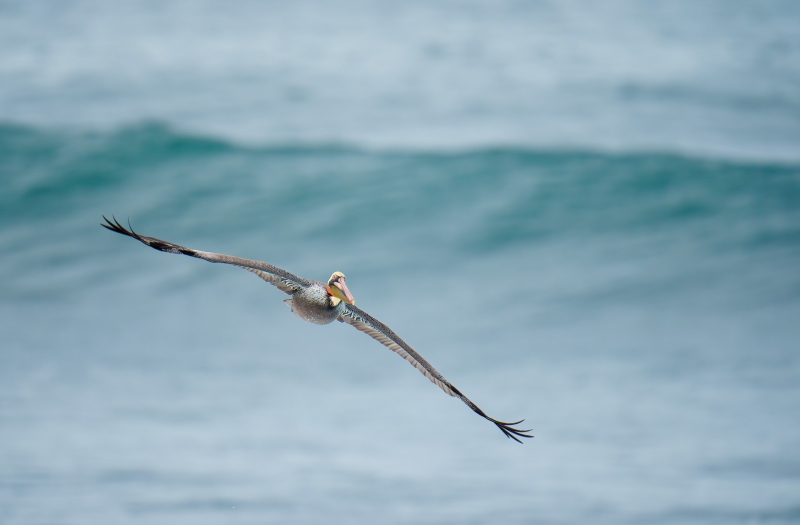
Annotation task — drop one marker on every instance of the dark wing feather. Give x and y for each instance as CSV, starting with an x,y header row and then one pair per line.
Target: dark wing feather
x,y
282,279
384,335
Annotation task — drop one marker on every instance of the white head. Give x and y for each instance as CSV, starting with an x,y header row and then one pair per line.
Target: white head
x,y
337,288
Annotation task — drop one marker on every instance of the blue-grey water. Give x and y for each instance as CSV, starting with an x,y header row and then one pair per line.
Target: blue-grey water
x,y
586,215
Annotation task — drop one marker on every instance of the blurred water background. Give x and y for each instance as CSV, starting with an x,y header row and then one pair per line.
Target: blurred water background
x,y
584,214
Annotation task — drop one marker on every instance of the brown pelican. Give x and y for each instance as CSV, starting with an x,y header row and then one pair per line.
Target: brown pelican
x,y
320,303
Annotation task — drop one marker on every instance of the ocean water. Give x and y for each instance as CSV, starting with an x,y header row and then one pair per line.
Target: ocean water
x,y
587,217
692,77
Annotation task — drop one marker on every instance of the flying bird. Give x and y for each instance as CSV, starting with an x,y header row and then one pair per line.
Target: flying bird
x,y
321,303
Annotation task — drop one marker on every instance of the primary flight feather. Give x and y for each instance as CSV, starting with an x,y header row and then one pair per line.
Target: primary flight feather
x,y
321,303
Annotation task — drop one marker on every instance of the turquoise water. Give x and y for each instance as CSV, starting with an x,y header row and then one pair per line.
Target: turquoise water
x,y
584,215
691,77
639,310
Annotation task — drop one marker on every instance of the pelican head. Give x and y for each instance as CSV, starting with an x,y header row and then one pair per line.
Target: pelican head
x,y
337,288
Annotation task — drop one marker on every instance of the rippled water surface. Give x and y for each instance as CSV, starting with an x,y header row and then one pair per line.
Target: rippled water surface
x,y
490,181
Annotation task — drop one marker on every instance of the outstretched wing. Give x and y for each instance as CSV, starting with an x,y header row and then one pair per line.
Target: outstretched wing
x,y
282,279
384,335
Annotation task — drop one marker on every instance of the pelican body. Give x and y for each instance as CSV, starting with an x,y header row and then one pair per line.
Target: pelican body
x,y
320,303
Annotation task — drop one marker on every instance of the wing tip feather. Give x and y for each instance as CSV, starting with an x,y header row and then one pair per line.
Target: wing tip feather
x,y
116,227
